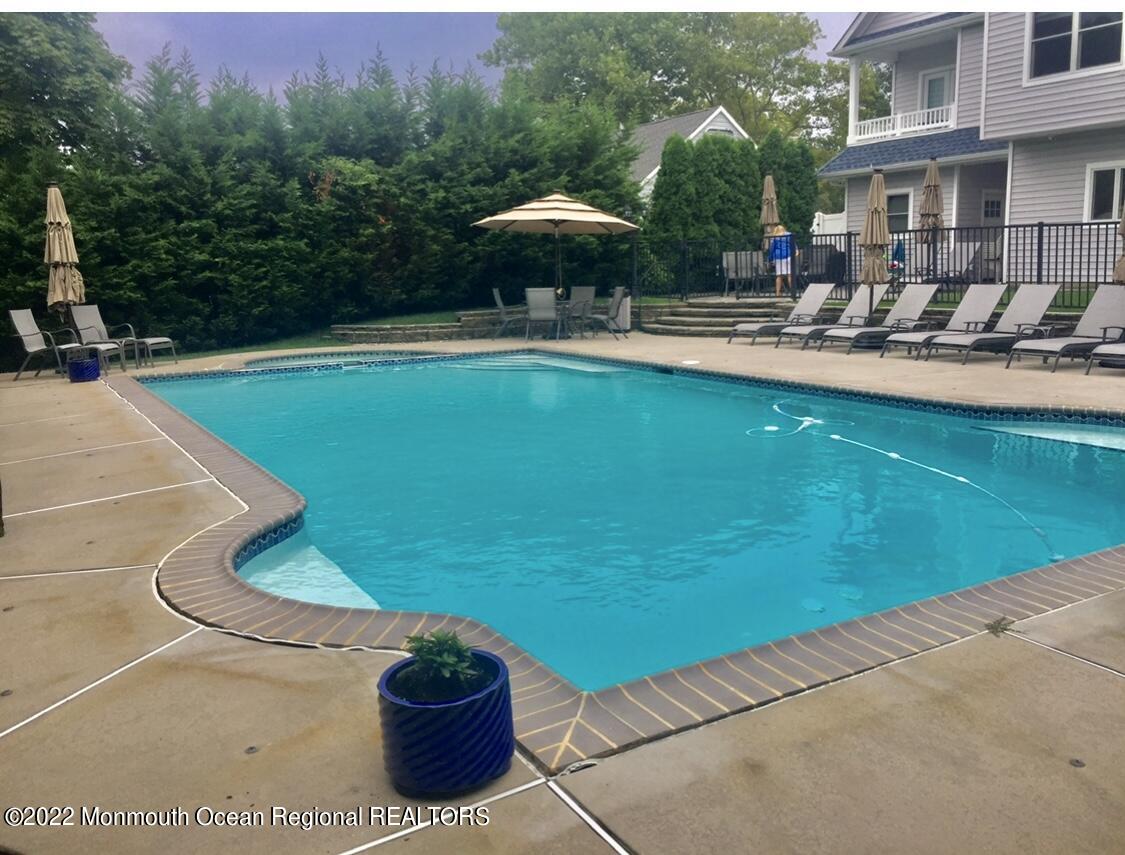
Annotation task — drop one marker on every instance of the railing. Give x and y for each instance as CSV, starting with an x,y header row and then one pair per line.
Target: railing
x,y
915,122
1079,256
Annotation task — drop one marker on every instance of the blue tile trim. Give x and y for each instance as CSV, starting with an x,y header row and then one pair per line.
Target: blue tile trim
x,y
349,356
271,538
990,412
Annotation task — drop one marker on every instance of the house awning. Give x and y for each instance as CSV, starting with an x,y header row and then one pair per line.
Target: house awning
x,y
962,144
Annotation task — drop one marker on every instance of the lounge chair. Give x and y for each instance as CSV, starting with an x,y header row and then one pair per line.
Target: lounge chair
x,y
855,314
37,342
1021,319
609,319
904,315
806,311
1103,322
580,308
506,317
92,330
1114,353
971,315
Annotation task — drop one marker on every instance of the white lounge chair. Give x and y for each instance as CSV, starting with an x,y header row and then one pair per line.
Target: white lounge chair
x,y
855,314
806,311
971,315
905,314
1102,323
1021,319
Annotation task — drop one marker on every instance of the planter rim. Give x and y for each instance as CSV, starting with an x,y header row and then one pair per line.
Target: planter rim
x,y
388,675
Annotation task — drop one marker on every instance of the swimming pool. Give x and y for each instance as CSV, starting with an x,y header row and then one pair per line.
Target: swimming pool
x,y
333,357
617,522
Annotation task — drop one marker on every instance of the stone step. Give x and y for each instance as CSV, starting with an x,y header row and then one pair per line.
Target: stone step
x,y
718,323
732,312
695,332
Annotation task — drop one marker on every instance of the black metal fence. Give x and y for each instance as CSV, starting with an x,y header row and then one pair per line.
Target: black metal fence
x,y
1079,256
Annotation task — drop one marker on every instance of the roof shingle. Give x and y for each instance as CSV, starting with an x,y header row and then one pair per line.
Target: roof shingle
x,y
916,149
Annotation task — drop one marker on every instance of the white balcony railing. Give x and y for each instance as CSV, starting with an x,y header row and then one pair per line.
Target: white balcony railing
x,y
903,124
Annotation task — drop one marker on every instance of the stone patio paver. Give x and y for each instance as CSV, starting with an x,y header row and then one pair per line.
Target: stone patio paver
x,y
1094,630
174,731
965,749
63,632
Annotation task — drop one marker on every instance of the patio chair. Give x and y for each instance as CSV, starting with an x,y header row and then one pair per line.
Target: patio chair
x,y
506,317
1103,322
609,319
971,315
542,307
1021,319
806,311
580,308
904,315
1112,353
37,342
854,314
92,330
738,269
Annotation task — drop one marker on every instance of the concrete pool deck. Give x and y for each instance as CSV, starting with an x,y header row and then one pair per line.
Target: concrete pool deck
x,y
114,700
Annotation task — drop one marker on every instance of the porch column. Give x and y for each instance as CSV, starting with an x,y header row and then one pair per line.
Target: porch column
x,y
853,96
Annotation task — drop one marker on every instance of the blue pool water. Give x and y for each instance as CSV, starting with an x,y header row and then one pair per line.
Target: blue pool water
x,y
616,523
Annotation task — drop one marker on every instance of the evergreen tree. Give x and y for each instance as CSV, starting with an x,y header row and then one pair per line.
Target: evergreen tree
x,y
673,206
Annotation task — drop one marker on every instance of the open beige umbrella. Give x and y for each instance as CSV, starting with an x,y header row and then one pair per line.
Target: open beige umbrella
x,y
64,283
874,237
558,215
1119,268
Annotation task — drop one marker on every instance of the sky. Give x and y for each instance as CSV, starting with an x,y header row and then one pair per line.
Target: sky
x,y
270,47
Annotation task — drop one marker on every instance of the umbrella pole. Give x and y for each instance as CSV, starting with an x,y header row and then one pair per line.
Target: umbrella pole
x,y
558,260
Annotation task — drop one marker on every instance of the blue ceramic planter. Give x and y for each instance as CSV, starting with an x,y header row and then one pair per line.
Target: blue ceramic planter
x,y
448,747
82,370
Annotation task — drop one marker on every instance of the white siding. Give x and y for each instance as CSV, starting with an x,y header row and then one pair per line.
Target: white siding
x,y
898,182
1049,174
721,123
1014,110
911,64
976,178
969,76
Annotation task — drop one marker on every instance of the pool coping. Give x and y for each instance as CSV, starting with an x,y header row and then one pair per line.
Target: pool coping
x,y
558,724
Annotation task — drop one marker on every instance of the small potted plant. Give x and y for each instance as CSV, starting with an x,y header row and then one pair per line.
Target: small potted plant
x,y
446,714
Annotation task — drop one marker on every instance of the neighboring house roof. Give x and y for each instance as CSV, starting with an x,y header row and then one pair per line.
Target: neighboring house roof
x,y
652,136
907,152
849,41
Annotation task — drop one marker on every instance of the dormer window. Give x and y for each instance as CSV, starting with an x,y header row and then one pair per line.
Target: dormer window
x,y
1073,41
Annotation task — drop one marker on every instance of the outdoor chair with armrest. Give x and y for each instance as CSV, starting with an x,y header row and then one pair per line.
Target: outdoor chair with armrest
x,y
1102,323
904,316
37,342
506,317
92,330
1021,319
580,308
1111,353
609,319
971,315
805,312
542,308
855,314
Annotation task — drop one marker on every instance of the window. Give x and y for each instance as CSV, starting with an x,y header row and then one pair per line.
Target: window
x,y
1105,191
1072,41
898,212
727,132
937,88
993,209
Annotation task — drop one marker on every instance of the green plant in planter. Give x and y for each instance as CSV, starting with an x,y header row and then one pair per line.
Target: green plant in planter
x,y
444,669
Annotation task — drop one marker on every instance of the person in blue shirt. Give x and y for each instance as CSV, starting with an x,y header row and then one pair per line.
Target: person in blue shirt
x,y
781,254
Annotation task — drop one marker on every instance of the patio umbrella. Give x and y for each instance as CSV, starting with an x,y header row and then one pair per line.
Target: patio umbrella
x,y
931,214
558,215
769,217
64,283
1119,268
874,237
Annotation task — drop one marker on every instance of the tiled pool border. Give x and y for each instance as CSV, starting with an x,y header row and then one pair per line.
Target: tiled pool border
x,y
556,723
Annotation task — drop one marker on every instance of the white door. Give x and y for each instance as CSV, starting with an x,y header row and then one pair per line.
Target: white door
x,y
992,235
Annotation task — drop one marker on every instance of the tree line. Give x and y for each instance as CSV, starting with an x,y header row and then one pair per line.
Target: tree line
x,y
224,216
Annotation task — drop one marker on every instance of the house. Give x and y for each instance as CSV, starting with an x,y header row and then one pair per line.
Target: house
x,y
651,137
1024,111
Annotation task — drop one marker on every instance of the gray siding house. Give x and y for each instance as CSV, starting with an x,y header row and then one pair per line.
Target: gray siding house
x,y
650,138
1024,111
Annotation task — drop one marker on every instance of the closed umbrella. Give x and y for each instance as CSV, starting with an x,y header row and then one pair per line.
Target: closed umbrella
x,y
770,216
874,237
558,215
931,214
64,283
1119,268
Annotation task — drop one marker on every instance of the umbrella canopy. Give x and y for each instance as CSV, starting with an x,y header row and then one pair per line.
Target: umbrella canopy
x,y
874,236
769,217
1119,268
64,283
558,215
932,212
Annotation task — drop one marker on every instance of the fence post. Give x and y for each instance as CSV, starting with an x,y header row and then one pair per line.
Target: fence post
x,y
683,271
1039,227
635,291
